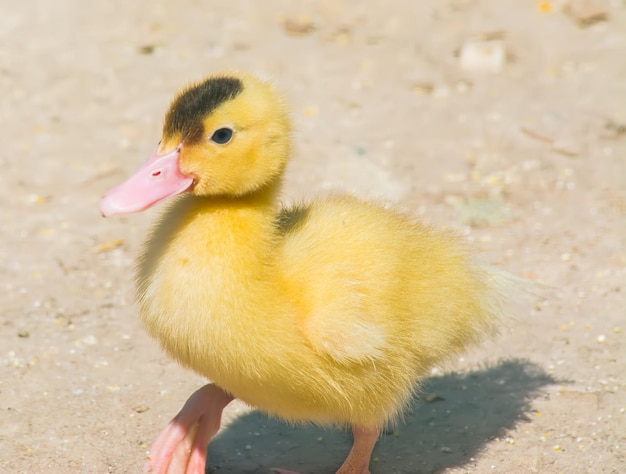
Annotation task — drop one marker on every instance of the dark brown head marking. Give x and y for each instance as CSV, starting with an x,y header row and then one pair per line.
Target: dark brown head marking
x,y
193,104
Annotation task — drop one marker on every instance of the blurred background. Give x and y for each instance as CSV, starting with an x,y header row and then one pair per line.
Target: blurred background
x,y
503,120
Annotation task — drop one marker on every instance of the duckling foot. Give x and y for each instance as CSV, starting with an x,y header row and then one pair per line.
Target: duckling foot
x,y
181,446
358,460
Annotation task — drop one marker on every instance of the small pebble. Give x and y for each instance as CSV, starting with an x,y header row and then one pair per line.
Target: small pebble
x,y
432,397
108,246
483,56
298,26
146,49
587,12
601,338
423,88
36,199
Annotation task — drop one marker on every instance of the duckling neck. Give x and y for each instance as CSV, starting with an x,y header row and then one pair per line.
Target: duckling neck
x,y
226,233
240,230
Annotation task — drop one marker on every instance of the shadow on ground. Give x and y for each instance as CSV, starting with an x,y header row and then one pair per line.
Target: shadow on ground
x,y
465,411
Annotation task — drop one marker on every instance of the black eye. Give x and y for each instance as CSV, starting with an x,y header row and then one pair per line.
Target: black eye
x,y
222,136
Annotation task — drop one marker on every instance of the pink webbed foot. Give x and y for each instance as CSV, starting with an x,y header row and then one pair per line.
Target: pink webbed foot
x,y
181,446
358,459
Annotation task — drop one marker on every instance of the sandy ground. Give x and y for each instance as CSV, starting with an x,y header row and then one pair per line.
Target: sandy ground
x,y
504,120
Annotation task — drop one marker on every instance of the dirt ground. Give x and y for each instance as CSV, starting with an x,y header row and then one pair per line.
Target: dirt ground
x,y
504,120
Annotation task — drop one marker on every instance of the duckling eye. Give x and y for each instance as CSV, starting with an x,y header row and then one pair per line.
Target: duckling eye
x,y
222,136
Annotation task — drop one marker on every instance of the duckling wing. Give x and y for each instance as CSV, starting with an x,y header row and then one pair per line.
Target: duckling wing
x,y
338,274
339,321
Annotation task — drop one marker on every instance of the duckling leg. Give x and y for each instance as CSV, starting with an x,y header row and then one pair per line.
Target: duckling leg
x,y
358,459
181,446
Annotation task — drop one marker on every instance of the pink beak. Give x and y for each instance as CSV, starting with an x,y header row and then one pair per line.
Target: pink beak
x,y
157,179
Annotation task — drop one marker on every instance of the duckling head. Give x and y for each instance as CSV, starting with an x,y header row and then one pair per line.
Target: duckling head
x,y
225,136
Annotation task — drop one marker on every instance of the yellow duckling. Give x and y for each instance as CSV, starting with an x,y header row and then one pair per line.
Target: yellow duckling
x,y
329,312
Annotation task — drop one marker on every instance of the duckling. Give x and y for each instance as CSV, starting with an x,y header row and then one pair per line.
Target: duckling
x,y
329,312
